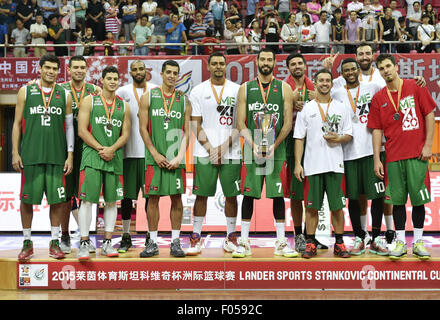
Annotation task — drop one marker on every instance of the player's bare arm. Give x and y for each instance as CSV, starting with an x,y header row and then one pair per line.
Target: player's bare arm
x,y
17,162
83,124
241,119
298,153
430,130
377,143
68,165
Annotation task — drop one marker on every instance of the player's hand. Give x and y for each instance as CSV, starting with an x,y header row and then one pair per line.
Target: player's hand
x,y
31,82
426,153
106,153
17,163
215,155
420,81
68,165
98,90
174,163
299,105
161,161
329,61
378,169
332,137
299,172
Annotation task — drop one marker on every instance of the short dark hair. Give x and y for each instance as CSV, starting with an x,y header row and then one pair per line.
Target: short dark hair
x,y
110,69
322,71
337,10
364,44
265,50
171,63
144,16
216,54
294,55
49,58
53,15
384,56
348,60
77,58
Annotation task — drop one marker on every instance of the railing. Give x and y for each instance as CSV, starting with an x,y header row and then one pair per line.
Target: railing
x,y
221,44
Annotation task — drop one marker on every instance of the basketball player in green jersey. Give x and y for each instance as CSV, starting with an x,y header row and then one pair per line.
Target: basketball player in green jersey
x,y
43,129
164,126
78,89
104,126
264,96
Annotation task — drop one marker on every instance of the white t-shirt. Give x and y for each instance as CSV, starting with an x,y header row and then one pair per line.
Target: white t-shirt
x,y
427,32
135,147
149,7
362,144
339,82
38,28
218,126
321,156
323,31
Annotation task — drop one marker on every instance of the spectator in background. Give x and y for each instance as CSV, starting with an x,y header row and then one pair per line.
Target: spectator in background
x,y
88,40
175,34
307,34
149,8
159,22
234,14
197,32
302,12
409,6
370,28
323,30
406,36
38,33
353,30
208,18
228,35
57,33
251,11
437,33
426,34
267,11
129,12
218,9
12,16
108,43
326,6
314,8
48,7
338,31
283,7
289,34
20,35
188,11
112,23
355,6
430,12
272,32
123,50
141,36
254,36
388,27
208,49
415,19
35,9
80,13
25,13
378,8
95,14
68,21
396,13
337,4
241,37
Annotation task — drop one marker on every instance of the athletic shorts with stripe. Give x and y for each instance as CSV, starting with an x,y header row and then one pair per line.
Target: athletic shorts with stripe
x,y
134,177
253,176
93,181
40,179
361,179
296,186
164,182
331,183
206,174
409,176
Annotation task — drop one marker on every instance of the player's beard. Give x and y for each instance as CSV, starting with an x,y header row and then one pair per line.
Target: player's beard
x,y
265,73
365,67
139,80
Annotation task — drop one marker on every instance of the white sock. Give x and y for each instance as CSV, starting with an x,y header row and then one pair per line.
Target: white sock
x,y
85,218
364,223
231,223
153,236
126,226
198,224
27,234
54,232
400,235
280,230
418,234
389,222
175,234
245,227
110,215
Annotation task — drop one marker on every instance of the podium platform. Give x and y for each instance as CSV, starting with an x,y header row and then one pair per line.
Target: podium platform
x,y
215,269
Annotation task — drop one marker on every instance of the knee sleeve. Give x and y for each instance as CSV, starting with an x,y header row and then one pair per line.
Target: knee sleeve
x,y
399,217
279,208
418,217
126,208
247,208
110,214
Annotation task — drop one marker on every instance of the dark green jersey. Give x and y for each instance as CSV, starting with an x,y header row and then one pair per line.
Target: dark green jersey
x,y
290,142
105,134
255,109
43,135
166,131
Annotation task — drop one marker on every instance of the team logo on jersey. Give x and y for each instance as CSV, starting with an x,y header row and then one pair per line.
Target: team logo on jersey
x,y
384,105
410,120
57,94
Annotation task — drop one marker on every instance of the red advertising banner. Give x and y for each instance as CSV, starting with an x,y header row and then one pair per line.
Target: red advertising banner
x,y
15,72
229,274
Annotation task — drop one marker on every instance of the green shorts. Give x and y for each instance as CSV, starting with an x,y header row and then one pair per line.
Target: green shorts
x,y
93,181
361,179
330,182
296,186
43,178
206,174
275,174
410,176
134,177
164,182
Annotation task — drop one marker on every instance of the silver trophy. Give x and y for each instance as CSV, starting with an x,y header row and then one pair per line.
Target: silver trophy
x,y
265,122
329,126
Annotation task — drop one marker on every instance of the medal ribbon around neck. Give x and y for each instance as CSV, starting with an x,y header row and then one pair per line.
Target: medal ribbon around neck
x,y
219,100
74,93
136,94
399,94
165,104
321,111
371,75
263,95
46,105
107,106
353,103
302,93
